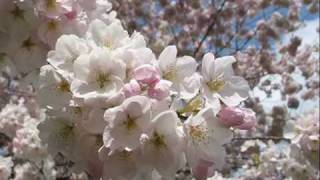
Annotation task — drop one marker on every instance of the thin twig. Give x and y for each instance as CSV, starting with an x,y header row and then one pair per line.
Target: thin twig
x,y
183,4
174,36
210,27
19,93
265,138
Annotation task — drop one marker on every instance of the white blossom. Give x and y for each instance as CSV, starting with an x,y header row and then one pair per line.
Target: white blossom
x,y
177,70
205,138
56,85
12,118
111,107
163,147
98,74
219,81
126,123
67,49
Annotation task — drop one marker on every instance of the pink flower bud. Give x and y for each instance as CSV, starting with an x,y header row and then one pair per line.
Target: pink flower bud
x,y
200,170
146,74
249,119
240,118
131,89
160,90
231,116
71,15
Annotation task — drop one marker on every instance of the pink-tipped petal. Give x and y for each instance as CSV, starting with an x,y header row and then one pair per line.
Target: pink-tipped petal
x,y
249,119
200,171
131,89
231,116
160,90
71,14
146,74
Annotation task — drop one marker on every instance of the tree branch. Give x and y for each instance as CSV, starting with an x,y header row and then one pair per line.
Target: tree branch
x,y
265,138
210,27
174,36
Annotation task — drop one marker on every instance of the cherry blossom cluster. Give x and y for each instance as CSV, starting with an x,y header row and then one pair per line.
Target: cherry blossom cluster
x,y
23,155
223,27
293,156
250,29
115,108
29,29
118,111
305,138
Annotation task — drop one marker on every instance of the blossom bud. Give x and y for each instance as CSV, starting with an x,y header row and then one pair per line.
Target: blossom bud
x,y
231,116
71,15
249,119
240,118
131,89
200,171
146,74
160,90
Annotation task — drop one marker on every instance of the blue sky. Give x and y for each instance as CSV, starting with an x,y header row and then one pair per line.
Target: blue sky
x,y
309,35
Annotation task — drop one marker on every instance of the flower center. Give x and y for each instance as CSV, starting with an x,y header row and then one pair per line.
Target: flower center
x,y
197,132
66,131
158,141
99,140
194,105
64,86
28,44
170,74
108,44
17,12
216,84
130,124
101,79
51,4
77,110
52,25
125,155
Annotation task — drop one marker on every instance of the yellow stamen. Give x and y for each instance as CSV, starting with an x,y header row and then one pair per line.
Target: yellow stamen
x,y
108,44
101,79
194,105
17,12
52,25
170,74
51,4
28,44
216,84
64,86
130,124
99,140
125,155
66,131
158,141
197,132
77,110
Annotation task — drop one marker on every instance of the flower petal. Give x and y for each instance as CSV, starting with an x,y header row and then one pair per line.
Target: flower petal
x,y
167,58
